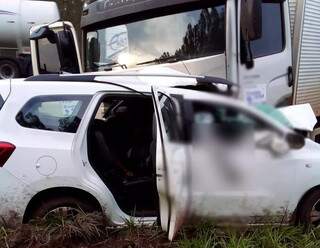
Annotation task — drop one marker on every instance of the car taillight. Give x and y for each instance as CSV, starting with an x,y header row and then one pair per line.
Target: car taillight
x,y
6,149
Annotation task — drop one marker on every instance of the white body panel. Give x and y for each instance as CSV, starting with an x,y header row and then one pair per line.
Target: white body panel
x,y
290,176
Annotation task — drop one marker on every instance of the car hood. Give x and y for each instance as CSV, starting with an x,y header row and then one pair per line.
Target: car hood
x,y
300,117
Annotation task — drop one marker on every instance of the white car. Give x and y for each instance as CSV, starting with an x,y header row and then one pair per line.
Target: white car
x,y
120,145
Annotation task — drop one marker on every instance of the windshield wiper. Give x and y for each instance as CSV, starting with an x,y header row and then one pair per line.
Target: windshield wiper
x,y
110,65
169,59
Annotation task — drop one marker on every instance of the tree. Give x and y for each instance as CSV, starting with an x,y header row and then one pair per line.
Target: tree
x,y
71,10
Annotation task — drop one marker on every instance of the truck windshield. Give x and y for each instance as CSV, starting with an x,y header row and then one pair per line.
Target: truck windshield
x,y
166,39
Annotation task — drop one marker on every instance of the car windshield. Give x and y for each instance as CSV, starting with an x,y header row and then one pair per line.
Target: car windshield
x,y
166,39
274,113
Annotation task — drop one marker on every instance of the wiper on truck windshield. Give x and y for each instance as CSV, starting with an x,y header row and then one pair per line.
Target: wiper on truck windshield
x,y
110,65
161,60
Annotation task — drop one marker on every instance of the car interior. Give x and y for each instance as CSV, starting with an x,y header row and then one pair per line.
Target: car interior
x,y
121,149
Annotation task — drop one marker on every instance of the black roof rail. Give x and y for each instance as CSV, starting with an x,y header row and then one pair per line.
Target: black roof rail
x,y
60,77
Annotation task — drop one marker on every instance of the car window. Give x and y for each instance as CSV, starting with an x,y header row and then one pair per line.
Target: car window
x,y
224,122
272,40
170,117
54,113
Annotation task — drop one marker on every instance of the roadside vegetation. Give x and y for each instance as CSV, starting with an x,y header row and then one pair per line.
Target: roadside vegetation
x,y
90,231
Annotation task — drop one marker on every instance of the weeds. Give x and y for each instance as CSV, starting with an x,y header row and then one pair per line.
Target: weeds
x,y
55,231
90,230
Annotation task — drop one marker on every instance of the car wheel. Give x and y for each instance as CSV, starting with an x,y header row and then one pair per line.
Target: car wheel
x,y
9,69
309,213
62,206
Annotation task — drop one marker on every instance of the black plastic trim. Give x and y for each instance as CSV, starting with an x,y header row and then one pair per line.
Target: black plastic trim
x,y
59,77
1,102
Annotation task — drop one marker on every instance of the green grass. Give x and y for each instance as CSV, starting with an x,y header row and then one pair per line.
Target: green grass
x,y
90,230
265,237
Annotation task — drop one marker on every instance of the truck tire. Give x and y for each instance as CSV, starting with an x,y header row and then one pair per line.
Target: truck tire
x,y
9,69
63,203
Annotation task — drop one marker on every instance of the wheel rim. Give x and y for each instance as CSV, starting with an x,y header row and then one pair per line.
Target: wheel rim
x,y
64,212
315,213
6,71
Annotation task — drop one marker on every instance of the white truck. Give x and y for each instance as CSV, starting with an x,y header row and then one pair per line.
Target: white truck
x,y
270,48
16,19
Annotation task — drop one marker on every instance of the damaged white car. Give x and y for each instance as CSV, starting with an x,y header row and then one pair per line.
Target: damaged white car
x,y
119,145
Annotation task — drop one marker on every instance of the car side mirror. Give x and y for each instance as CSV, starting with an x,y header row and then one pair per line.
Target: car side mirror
x,y
280,145
295,141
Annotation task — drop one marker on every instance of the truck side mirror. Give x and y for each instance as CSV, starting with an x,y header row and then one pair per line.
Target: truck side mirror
x,y
54,49
251,26
43,32
251,19
67,51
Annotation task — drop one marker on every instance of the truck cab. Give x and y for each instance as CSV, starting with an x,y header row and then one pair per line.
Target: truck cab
x,y
247,42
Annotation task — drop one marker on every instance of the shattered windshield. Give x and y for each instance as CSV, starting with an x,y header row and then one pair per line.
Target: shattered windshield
x,y
165,39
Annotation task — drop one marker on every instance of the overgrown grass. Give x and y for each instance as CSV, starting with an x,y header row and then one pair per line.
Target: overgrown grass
x,y
265,236
90,230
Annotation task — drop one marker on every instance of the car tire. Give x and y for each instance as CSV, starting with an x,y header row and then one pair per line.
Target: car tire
x,y
309,211
47,206
9,69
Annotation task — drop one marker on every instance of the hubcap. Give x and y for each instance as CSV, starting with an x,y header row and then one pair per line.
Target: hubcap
x,y
6,71
64,212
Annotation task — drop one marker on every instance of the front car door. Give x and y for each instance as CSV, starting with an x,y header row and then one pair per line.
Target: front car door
x,y
232,163
54,49
241,166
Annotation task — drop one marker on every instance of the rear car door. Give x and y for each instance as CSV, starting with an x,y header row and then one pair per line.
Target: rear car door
x,y
171,162
54,49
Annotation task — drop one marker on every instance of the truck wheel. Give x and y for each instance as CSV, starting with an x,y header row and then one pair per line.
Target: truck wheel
x,y
309,213
62,206
9,69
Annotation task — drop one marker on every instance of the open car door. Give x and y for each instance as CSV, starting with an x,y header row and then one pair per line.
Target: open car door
x,y
213,155
171,162
54,49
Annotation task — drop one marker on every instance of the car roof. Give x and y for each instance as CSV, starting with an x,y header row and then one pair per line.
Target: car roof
x,y
137,80
71,84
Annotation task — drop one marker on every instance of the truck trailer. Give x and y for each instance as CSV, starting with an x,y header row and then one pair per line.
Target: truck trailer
x,y
270,48
16,19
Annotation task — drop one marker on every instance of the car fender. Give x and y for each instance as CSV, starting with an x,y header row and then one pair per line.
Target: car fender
x,y
98,190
